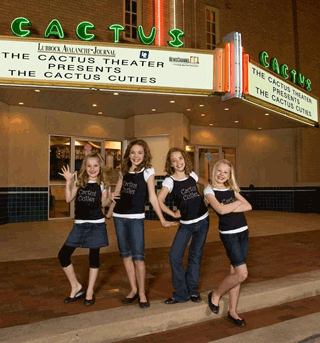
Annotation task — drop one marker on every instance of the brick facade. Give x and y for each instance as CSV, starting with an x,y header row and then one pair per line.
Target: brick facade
x,y
288,30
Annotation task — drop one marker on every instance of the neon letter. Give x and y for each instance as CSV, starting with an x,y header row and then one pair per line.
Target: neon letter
x,y
275,65
144,39
293,76
54,28
283,71
17,27
82,28
116,28
301,80
263,59
308,85
176,34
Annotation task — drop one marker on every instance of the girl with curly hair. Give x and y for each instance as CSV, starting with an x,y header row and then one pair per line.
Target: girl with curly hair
x,y
89,189
135,181
194,224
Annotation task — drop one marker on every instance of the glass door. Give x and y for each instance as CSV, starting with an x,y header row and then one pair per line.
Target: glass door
x,y
60,155
205,158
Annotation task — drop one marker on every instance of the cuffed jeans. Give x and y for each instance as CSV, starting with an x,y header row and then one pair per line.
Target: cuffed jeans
x,y
185,283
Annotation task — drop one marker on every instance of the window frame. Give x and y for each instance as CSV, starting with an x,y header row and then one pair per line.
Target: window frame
x,y
139,20
217,27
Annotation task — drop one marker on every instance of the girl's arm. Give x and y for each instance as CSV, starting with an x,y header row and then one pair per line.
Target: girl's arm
x,y
71,180
155,203
245,205
220,208
164,191
115,195
106,197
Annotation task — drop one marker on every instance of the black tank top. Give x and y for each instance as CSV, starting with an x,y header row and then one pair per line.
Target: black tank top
x,y
133,194
187,199
229,221
88,202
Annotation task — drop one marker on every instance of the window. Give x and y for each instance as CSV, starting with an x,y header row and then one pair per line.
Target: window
x,y
212,27
132,18
71,151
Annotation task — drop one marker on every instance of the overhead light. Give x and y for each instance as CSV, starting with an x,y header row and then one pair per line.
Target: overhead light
x,y
153,109
266,114
236,121
99,112
94,105
188,109
115,93
202,114
20,103
201,105
226,109
172,101
152,92
211,124
37,90
259,128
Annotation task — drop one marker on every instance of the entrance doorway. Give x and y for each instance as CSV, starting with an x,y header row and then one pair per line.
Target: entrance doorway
x,y
205,157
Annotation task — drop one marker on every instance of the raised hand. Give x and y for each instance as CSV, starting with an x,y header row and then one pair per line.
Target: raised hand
x,y
67,174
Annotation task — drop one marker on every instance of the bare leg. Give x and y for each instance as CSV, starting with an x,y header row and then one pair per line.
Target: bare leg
x,y
230,282
130,269
233,298
75,285
93,274
141,276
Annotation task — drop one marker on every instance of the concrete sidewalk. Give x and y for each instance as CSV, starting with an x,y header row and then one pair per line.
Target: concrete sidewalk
x,y
282,267
124,322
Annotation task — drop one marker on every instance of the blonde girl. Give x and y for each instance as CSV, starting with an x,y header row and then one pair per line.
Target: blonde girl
x,y
89,230
224,196
135,182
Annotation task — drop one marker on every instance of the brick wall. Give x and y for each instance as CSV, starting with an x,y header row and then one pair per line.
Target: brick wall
x,y
265,25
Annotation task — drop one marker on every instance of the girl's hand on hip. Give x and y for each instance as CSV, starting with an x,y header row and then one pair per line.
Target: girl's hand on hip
x,y
165,223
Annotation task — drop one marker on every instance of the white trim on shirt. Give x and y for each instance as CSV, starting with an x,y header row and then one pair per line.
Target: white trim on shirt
x,y
130,216
196,220
168,181
82,221
240,229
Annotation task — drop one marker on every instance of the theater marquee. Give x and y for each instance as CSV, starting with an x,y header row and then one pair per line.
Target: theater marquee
x,y
105,66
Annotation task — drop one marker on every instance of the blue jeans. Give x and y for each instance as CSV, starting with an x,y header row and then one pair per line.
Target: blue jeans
x,y
130,234
185,283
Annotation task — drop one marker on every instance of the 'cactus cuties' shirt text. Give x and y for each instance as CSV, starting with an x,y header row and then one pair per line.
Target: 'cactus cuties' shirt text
x,y
187,198
133,195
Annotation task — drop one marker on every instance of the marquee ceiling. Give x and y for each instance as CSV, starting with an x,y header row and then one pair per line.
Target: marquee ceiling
x,y
124,105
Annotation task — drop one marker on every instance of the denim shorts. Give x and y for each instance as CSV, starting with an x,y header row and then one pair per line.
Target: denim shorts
x,y
236,245
88,235
130,234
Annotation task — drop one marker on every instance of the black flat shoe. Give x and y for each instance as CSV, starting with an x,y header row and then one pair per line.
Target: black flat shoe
x,y
171,301
144,304
238,322
130,300
90,302
195,298
78,295
213,308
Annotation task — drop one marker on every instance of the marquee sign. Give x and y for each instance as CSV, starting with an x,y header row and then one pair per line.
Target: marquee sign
x,y
105,66
273,90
